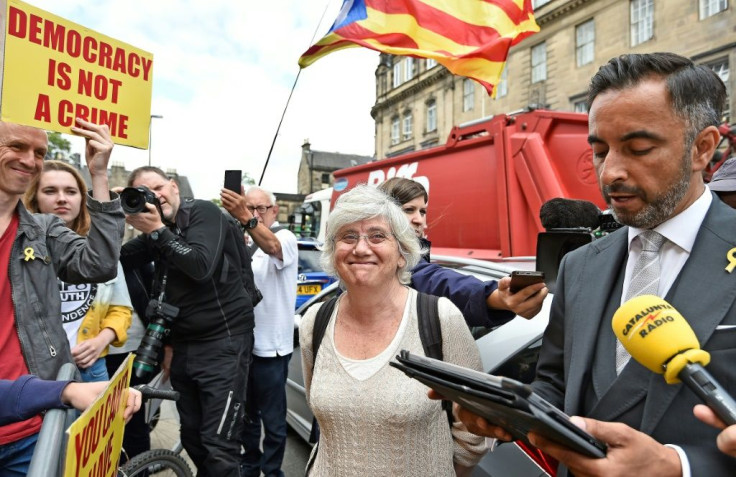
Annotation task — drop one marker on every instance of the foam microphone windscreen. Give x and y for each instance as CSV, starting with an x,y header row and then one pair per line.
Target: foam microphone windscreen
x,y
657,336
561,213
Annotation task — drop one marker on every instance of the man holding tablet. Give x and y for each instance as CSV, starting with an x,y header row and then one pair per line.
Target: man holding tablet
x,y
652,127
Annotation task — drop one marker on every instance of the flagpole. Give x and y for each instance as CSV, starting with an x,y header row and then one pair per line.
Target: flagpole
x,y
293,86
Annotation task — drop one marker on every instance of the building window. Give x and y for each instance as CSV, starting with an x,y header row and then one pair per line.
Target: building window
x,y
468,94
397,73
708,8
325,178
642,21
408,68
585,42
407,126
539,63
431,63
721,69
539,3
502,88
395,138
432,116
580,106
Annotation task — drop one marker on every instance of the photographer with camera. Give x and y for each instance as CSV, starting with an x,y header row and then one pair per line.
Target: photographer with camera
x,y
199,305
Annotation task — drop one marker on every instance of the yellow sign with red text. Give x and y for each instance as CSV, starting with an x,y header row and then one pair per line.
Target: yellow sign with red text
x,y
96,437
56,70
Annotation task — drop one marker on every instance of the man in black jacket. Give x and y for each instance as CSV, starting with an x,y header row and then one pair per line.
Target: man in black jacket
x,y
198,270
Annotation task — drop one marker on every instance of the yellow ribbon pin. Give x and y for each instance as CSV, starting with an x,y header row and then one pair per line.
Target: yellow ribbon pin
x,y
731,256
28,252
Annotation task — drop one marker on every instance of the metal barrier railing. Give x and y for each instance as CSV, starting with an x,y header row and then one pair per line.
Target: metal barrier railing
x,y
48,456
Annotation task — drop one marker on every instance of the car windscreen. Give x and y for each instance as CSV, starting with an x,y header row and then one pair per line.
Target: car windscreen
x,y
309,261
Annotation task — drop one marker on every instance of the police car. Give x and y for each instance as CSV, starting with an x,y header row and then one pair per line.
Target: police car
x,y
311,279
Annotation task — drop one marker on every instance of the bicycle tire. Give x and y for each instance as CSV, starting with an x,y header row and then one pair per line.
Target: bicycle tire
x,y
156,461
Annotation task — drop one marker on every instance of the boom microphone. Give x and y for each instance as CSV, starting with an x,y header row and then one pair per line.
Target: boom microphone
x,y
560,213
657,336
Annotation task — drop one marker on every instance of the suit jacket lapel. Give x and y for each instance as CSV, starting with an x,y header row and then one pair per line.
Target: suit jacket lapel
x,y
702,276
616,394
602,266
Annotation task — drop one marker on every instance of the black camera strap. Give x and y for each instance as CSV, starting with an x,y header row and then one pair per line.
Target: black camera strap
x,y
162,293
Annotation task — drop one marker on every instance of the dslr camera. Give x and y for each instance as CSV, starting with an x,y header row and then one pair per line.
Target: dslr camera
x,y
160,317
134,199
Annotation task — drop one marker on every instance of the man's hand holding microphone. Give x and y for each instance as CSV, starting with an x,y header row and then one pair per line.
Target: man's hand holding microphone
x,y
658,337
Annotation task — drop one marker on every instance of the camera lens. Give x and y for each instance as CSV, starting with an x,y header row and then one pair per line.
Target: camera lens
x,y
133,200
148,353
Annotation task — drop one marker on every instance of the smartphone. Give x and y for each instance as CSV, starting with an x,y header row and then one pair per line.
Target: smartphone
x,y
523,278
233,179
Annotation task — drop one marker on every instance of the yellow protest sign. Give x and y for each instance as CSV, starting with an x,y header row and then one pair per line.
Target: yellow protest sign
x,y
95,439
55,70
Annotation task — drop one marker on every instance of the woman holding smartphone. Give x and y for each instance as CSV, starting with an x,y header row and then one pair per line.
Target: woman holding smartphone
x,y
485,304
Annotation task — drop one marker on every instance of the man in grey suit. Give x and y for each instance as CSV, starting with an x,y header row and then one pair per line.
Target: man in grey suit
x,y
652,127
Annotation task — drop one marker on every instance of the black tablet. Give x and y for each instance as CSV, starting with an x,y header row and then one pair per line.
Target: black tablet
x,y
502,401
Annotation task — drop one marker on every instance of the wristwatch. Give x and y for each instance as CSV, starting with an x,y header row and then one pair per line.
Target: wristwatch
x,y
157,233
251,224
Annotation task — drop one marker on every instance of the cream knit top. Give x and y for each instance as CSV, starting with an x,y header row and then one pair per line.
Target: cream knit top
x,y
386,425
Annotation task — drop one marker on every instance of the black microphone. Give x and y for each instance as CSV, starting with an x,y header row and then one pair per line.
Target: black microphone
x,y
561,213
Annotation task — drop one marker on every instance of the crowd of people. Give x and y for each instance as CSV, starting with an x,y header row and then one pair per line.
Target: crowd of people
x,y
224,283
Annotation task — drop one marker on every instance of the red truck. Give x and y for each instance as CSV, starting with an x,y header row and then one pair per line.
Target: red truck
x,y
488,182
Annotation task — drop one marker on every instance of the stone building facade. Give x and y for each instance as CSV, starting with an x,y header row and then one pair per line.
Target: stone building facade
x,y
316,167
418,101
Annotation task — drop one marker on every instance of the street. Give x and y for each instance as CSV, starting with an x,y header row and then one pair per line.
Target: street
x,y
166,436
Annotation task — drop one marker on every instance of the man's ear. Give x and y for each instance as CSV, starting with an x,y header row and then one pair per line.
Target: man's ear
x,y
174,185
704,146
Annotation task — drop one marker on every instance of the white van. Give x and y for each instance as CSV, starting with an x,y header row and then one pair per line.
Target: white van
x,y
310,220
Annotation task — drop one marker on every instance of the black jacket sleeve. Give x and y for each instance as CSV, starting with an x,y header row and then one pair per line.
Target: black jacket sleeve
x,y
196,251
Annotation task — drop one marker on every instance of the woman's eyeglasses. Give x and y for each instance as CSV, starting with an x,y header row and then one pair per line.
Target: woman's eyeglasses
x,y
375,238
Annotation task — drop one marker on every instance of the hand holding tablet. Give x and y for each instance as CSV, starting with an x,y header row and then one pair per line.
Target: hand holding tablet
x,y
501,401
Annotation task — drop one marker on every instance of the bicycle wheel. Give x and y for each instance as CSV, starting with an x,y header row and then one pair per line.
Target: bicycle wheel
x,y
158,462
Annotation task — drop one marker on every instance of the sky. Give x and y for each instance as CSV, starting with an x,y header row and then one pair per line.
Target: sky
x,y
222,74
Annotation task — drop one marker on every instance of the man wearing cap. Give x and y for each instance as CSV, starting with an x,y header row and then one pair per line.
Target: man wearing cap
x,y
723,182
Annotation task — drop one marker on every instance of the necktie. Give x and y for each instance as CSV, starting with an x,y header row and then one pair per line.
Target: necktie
x,y
644,281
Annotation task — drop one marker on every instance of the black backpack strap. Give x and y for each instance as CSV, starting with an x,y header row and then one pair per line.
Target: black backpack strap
x,y
320,325
318,332
430,332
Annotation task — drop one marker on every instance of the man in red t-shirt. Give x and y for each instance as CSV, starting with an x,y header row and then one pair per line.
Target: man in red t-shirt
x,y
32,251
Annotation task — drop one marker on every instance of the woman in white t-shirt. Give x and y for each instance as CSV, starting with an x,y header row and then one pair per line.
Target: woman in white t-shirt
x,y
95,315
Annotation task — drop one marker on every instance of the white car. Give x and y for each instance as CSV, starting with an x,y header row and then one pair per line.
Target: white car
x,y
509,350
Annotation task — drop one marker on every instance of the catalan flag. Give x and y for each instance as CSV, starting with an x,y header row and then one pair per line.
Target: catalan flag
x,y
469,37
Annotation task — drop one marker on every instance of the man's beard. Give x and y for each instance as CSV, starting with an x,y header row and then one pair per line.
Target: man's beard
x,y
658,209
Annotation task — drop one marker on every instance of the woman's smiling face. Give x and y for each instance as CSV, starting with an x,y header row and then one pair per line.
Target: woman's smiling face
x,y
371,261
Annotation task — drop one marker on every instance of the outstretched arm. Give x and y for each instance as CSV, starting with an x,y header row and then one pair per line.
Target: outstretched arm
x,y
28,395
261,235
482,303
97,153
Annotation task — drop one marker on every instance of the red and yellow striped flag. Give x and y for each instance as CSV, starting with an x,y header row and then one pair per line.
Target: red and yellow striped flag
x,y
469,37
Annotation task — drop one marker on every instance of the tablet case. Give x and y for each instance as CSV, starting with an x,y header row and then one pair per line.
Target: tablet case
x,y
502,401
